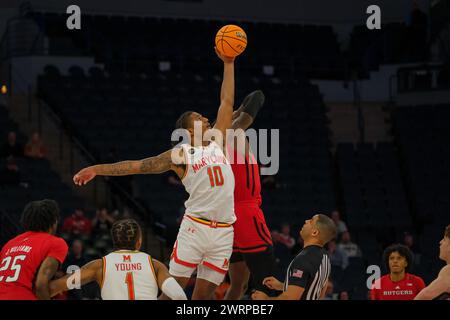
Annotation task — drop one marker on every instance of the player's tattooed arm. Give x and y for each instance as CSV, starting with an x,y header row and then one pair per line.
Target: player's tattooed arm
x,y
158,164
46,272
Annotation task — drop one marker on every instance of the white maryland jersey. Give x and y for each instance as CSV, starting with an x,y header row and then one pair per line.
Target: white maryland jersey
x,y
129,275
209,180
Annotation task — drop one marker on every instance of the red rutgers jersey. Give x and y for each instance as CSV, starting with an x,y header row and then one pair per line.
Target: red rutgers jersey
x,y
250,230
247,186
405,289
20,260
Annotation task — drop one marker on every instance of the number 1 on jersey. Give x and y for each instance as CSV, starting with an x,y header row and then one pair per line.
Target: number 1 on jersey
x,y
215,176
130,284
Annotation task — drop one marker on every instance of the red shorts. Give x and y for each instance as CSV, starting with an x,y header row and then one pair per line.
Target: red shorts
x,y
250,230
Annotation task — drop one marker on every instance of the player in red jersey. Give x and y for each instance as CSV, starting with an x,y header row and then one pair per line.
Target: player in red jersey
x,y
252,248
29,261
398,284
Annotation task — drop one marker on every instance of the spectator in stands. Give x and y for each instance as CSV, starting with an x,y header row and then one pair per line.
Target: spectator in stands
x,y
11,147
76,255
329,295
77,258
408,240
285,236
10,174
416,35
343,295
283,245
337,256
398,284
77,224
340,225
349,247
35,148
102,223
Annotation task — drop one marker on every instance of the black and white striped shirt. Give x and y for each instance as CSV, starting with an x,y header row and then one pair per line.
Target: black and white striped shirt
x,y
310,270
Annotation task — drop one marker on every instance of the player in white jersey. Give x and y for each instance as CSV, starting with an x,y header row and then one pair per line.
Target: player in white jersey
x,y
126,273
205,238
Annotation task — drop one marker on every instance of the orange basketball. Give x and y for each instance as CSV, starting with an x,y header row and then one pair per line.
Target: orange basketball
x,y
231,40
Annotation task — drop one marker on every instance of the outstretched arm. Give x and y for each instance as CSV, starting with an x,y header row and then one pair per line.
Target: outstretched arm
x,y
152,165
437,287
225,113
92,271
247,112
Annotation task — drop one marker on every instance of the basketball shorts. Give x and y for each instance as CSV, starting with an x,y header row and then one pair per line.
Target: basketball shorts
x,y
204,245
250,230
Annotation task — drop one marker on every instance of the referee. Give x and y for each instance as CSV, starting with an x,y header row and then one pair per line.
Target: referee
x,y
307,274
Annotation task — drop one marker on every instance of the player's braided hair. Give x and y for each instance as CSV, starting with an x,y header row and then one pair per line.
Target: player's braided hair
x,y
402,250
125,233
40,215
447,231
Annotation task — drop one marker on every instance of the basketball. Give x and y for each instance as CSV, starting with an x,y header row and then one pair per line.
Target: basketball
x,y
231,40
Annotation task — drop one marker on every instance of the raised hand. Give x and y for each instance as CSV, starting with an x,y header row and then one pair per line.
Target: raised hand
x,y
225,59
84,176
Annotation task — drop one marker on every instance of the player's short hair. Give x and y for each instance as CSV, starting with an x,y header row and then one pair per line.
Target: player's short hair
x,y
447,231
125,234
327,228
183,121
402,250
40,215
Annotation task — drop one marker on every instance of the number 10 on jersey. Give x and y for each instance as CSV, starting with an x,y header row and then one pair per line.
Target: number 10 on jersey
x,y
215,176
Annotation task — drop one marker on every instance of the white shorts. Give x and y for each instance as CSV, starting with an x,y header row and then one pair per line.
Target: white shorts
x,y
203,247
